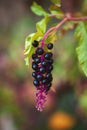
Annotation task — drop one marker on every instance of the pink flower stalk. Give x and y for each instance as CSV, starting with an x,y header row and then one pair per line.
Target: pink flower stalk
x,y
40,99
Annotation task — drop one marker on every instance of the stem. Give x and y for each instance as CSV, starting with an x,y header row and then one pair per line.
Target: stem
x,y
53,29
77,19
68,17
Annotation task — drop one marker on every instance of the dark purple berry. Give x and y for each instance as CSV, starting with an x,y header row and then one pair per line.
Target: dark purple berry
x,y
48,86
50,61
34,66
48,55
39,51
50,68
35,43
37,60
34,74
48,75
50,79
34,56
36,82
42,70
39,77
44,81
44,63
50,46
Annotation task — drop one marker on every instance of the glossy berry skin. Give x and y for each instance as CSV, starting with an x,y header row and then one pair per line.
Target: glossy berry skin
x,y
50,79
50,61
36,82
48,86
34,56
37,60
34,66
48,75
48,55
50,46
39,51
42,70
50,68
34,74
35,43
39,77
44,81
44,63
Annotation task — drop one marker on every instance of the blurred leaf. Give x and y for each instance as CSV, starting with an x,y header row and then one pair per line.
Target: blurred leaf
x,y
38,10
29,40
59,14
29,49
84,6
83,100
81,35
41,25
69,25
65,59
54,9
51,38
56,1
27,61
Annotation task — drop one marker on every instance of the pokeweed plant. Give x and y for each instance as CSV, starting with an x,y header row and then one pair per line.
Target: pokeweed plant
x,y
38,45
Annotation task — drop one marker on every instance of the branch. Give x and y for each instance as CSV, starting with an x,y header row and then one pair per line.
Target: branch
x,y
68,17
53,29
77,19
71,18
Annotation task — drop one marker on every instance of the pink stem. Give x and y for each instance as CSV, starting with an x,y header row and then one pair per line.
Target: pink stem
x,y
68,17
53,29
77,19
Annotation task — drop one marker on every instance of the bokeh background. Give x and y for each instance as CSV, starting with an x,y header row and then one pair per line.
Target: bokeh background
x,y
66,107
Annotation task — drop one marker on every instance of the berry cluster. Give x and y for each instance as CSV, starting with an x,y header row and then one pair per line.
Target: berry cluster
x,y
42,66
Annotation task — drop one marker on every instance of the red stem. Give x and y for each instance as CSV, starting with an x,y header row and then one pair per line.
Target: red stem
x,y
53,28
67,18
77,19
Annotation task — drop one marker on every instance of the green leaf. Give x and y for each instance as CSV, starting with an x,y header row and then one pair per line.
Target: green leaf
x,y
83,101
29,49
51,38
56,1
38,10
28,40
41,25
55,9
27,61
59,14
81,35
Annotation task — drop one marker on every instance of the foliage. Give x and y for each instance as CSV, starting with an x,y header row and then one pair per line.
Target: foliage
x,y
83,101
16,90
81,35
41,27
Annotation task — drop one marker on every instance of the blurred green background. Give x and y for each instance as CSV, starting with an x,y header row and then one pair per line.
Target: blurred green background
x,y
66,107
